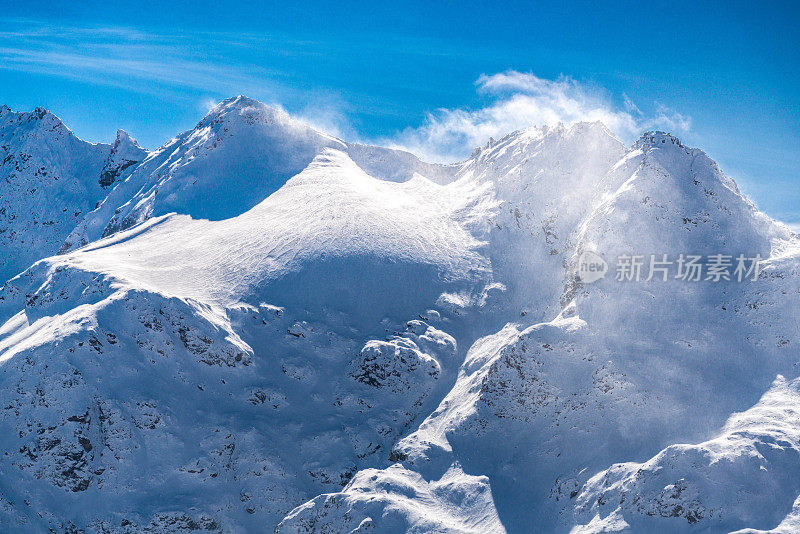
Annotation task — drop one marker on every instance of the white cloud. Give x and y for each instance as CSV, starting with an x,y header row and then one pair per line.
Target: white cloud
x,y
329,117
520,100
794,227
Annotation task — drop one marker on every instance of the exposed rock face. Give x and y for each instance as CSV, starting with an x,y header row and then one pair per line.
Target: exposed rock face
x,y
125,153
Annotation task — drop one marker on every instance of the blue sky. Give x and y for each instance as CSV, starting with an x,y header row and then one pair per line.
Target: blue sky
x,y
434,77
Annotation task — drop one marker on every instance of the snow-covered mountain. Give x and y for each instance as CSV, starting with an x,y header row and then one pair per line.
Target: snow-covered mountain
x,y
261,327
238,155
51,180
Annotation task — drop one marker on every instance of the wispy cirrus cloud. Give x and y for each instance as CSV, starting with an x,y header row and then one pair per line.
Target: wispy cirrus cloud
x,y
210,65
118,55
215,65
518,100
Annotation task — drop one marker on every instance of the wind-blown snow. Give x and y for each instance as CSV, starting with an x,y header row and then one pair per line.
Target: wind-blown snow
x,y
743,477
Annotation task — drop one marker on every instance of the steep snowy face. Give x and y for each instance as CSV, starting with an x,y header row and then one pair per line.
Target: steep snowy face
x,y
627,367
333,236
745,477
677,202
304,328
684,199
244,414
544,182
50,180
239,154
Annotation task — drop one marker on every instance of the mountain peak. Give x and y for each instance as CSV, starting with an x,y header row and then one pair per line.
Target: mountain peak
x,y
560,129
42,116
241,106
523,143
125,154
657,138
238,103
243,112
124,139
598,127
39,116
241,101
242,151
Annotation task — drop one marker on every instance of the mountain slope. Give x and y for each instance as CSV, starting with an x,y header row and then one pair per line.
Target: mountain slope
x,y
746,476
248,317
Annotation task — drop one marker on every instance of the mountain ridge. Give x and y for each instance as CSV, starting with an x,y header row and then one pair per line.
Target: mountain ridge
x,y
52,178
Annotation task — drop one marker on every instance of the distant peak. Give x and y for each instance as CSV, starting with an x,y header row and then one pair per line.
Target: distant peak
x,y
36,114
561,129
41,114
657,138
556,129
241,101
125,154
592,126
123,138
242,106
38,119
241,111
